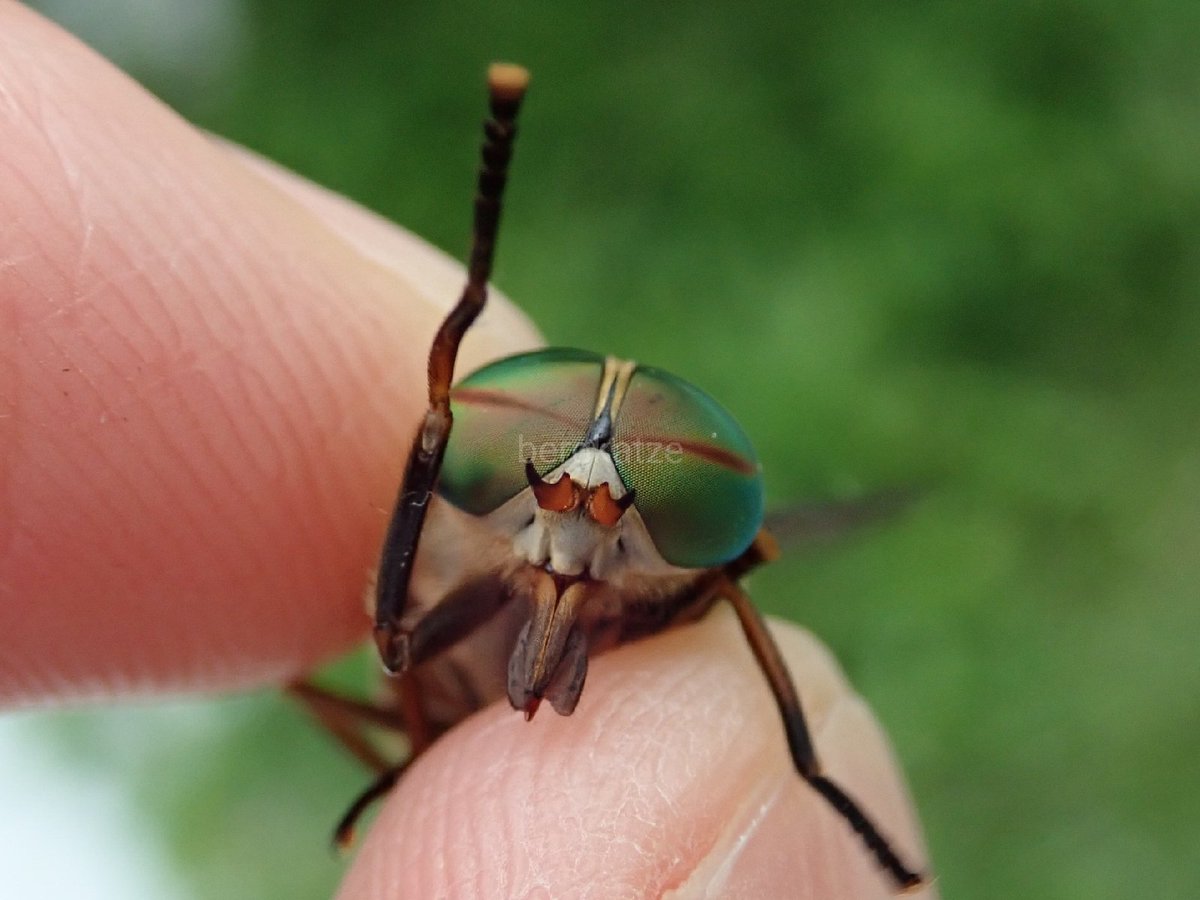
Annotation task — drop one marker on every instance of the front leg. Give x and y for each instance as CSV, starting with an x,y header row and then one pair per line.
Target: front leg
x,y
403,537
506,87
459,614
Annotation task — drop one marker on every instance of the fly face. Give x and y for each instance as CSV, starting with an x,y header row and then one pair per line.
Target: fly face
x,y
552,452
626,435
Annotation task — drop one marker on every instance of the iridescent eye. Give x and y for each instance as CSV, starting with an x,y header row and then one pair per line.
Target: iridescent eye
x,y
698,483
535,406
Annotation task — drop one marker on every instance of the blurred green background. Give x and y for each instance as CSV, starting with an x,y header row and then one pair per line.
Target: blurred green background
x,y
943,243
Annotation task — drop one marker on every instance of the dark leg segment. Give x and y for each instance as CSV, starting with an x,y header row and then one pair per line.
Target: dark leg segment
x,y
446,624
343,718
343,833
461,612
770,660
506,87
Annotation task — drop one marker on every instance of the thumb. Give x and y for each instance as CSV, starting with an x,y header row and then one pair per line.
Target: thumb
x,y
671,778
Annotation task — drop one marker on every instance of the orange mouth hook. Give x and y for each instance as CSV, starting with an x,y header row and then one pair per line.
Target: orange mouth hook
x,y
566,494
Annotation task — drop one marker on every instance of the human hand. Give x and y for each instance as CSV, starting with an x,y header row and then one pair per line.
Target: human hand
x,y
211,379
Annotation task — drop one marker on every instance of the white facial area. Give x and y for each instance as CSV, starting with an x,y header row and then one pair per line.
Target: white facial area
x,y
572,542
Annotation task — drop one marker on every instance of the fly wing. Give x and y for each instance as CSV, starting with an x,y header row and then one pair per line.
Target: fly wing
x,y
809,524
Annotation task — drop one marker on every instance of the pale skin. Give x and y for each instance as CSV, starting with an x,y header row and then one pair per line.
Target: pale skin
x,y
210,377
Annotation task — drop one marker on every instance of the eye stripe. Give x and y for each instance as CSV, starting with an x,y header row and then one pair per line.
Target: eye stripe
x,y
500,399
533,406
718,456
701,499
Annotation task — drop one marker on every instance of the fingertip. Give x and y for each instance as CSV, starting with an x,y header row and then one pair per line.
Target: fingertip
x,y
671,776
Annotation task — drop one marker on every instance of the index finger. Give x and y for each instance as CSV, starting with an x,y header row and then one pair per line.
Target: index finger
x,y
210,382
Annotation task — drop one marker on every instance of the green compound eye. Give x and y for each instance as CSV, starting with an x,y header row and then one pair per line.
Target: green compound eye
x,y
534,406
697,479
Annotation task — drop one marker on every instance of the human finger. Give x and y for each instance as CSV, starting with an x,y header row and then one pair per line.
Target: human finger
x,y
210,378
672,778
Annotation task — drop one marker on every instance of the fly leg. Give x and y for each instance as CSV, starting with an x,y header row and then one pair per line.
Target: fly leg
x,y
770,660
459,614
506,87
343,832
344,717
454,619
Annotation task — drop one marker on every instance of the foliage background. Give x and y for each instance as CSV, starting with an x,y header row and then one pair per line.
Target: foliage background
x,y
937,242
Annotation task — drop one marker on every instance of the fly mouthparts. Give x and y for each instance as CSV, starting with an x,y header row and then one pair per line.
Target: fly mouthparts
x,y
531,707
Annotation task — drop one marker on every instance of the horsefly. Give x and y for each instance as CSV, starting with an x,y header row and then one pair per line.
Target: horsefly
x,y
634,503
